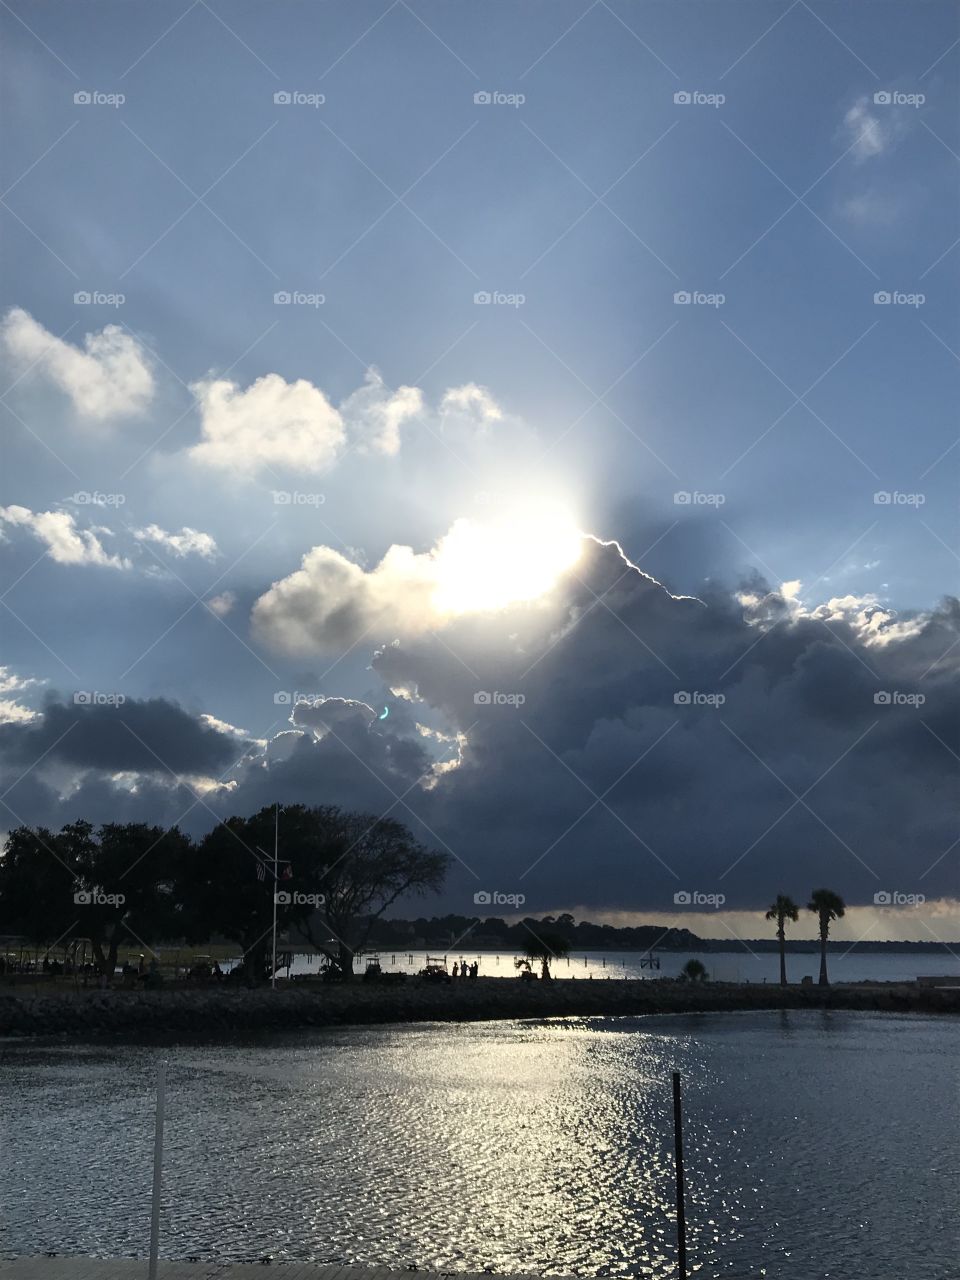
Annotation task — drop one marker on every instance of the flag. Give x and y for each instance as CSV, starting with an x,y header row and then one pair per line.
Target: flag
x,y
261,873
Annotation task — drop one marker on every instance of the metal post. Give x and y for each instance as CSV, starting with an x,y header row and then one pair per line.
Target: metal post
x,y
678,1147
276,842
157,1171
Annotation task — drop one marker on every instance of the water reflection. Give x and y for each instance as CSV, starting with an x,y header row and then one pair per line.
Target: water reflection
x,y
540,1148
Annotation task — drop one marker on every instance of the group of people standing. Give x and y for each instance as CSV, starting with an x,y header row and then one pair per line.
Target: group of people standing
x,y
466,970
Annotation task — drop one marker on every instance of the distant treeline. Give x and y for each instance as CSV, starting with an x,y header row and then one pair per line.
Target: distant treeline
x,y
494,933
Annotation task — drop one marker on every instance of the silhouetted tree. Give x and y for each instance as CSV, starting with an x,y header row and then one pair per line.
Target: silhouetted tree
x,y
783,909
694,971
544,946
826,906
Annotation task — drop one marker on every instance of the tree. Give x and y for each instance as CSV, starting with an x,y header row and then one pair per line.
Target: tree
x,y
360,866
694,971
111,886
783,909
826,906
38,878
228,882
125,889
544,946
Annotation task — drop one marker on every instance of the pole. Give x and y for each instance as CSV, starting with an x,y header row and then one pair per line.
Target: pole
x,y
157,1171
276,842
678,1147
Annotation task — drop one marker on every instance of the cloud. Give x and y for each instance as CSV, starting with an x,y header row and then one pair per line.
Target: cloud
x,y
870,132
223,603
734,744
374,415
65,543
331,715
187,542
475,567
12,711
108,378
152,736
471,401
273,423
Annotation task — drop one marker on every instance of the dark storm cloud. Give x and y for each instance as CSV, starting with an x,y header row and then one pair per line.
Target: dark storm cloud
x,y
618,744
152,736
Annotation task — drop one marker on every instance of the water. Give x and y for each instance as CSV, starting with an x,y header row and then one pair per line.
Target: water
x,y
740,965
819,1144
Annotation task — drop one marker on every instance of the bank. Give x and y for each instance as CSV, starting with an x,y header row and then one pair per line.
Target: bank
x,y
212,1010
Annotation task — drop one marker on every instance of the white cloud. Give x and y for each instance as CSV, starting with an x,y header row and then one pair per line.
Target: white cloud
x,y
476,567
473,401
187,542
64,541
222,604
12,711
292,425
374,414
108,378
273,423
865,133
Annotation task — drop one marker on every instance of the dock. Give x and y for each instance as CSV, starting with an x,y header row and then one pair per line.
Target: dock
x,y
66,1268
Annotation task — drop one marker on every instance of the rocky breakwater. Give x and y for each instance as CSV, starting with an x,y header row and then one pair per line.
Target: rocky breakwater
x,y
210,1011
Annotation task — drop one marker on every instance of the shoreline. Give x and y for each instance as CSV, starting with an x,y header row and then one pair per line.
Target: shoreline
x,y
212,1011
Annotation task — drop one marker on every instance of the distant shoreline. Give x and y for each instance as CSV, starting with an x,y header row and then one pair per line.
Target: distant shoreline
x,y
212,1011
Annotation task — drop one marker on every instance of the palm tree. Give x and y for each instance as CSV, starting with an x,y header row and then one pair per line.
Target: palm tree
x,y
827,906
783,908
694,971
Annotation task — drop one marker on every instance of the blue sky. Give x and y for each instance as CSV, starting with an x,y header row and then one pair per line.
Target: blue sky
x,y
784,197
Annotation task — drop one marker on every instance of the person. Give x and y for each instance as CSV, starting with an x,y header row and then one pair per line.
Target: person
x,y
474,968
456,970
217,971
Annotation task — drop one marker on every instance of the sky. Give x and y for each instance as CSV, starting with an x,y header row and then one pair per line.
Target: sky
x,y
533,421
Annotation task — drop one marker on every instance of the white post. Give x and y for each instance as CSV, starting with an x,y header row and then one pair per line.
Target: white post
x,y
276,840
157,1171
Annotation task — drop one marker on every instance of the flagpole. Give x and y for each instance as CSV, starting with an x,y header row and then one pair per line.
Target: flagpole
x,y
276,842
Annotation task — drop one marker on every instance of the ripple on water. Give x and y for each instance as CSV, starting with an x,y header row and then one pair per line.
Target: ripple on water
x,y
818,1145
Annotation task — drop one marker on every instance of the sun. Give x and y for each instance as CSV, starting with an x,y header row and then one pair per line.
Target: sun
x,y
485,566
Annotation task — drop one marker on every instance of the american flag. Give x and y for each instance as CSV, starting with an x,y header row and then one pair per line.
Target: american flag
x,y
261,870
